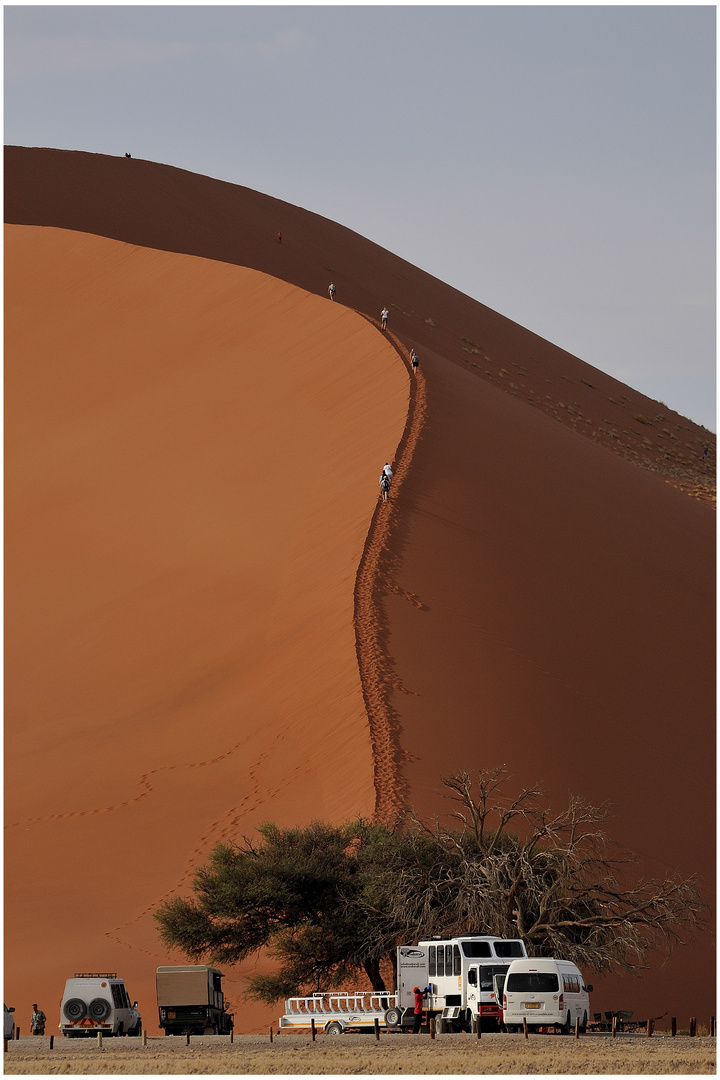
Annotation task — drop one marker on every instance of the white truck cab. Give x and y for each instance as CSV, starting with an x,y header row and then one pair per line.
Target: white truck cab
x,y
458,975
97,1001
545,992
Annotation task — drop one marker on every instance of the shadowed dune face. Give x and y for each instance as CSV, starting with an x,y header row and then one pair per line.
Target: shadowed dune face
x,y
192,453
565,626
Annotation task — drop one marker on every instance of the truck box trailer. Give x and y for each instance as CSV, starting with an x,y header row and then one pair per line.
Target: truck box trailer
x,y
460,978
190,1001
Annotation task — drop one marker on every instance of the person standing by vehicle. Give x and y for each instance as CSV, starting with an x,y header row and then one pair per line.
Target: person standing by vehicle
x,y
38,1020
417,1022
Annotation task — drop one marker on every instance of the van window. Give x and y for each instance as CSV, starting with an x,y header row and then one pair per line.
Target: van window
x,y
571,984
509,948
476,949
432,967
531,982
117,995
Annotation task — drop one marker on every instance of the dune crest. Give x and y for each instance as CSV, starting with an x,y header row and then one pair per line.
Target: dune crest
x,y
374,580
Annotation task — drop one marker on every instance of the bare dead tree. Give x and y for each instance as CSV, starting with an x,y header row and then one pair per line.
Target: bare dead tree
x,y
556,880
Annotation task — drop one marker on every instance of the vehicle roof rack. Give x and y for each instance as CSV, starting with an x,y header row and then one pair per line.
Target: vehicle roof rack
x,y
95,975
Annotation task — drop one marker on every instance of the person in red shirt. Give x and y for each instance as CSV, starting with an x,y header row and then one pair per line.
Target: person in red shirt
x,y
418,1009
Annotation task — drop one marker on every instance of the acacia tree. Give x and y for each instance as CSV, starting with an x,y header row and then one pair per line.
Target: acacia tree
x,y
329,901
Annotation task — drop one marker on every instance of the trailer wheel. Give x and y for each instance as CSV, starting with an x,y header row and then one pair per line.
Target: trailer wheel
x,y
334,1028
393,1018
439,1025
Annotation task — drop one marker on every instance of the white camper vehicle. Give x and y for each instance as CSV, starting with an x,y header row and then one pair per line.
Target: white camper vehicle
x,y
547,993
460,976
97,1001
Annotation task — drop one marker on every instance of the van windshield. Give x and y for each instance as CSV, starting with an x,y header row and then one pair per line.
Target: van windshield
x,y
531,982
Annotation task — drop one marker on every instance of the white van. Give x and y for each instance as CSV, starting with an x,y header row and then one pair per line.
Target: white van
x,y
547,993
97,1001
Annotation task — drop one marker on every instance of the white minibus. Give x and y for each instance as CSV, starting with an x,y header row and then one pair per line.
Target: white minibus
x,y
547,993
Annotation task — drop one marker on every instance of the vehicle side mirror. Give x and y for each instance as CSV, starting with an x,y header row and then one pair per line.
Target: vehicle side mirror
x,y
12,1009
589,988
134,1004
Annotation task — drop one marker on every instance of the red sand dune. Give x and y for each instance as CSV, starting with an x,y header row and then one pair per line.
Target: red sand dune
x,y
532,597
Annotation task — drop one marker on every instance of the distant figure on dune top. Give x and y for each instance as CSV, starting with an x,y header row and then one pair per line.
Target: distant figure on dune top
x,y
331,291
384,316
128,155
279,238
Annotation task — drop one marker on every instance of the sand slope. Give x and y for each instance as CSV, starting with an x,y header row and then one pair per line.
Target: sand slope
x,y
540,599
192,461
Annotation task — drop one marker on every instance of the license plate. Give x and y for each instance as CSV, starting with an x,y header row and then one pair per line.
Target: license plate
x,y
532,1004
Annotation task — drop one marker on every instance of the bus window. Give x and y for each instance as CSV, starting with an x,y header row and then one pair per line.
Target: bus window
x,y
441,959
477,949
486,974
431,961
509,948
448,960
457,962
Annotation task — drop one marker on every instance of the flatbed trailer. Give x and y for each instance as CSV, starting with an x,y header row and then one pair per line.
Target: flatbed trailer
x,y
335,1013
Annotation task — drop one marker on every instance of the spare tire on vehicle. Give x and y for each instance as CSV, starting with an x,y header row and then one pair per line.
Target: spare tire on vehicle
x,y
74,1009
99,1009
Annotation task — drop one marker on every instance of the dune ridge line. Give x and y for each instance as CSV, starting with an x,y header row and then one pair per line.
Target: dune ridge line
x,y
374,580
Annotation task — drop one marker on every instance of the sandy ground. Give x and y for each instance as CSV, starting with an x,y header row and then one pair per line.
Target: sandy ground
x,y
362,1055
192,463
542,594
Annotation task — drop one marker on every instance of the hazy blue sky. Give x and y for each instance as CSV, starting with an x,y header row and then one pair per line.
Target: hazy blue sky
x,y
556,163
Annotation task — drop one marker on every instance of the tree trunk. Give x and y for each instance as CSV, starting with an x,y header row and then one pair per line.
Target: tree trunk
x,y
372,970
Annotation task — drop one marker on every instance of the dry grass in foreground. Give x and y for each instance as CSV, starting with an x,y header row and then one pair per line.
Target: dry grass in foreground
x,y
362,1055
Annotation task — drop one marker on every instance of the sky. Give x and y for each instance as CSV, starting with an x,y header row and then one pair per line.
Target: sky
x,y
556,163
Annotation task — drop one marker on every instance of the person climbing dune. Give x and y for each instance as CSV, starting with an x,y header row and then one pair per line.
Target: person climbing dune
x,y
384,486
